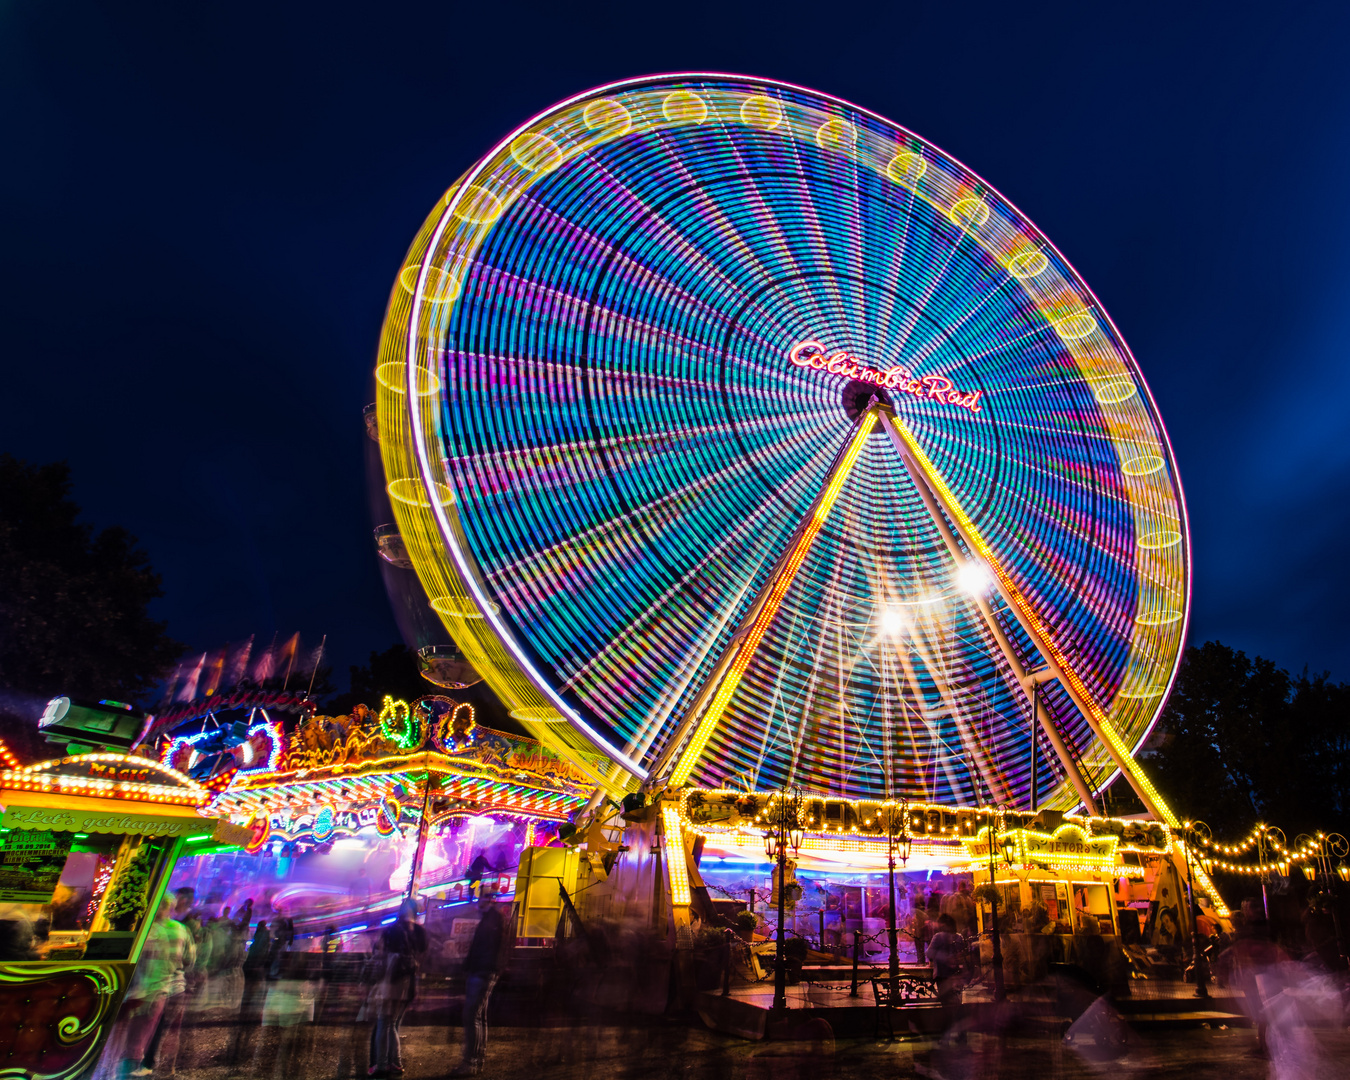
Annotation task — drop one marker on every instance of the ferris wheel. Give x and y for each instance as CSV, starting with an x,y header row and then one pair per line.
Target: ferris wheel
x,y
736,431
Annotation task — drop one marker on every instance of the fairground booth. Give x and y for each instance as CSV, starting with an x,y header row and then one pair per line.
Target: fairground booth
x,y
89,841
783,478
353,813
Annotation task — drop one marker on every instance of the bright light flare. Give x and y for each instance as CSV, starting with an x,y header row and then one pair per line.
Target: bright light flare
x,y
974,578
893,621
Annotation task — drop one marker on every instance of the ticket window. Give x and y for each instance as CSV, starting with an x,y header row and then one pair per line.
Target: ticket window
x,y
1095,900
1053,914
59,890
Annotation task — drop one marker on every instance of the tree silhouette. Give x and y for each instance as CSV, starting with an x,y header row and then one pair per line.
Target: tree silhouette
x,y
73,604
1242,740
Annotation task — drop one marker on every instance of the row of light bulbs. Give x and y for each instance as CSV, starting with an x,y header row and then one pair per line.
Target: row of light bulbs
x,y
1239,848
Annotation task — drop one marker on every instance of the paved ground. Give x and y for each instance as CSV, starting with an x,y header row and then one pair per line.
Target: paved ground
x,y
683,1050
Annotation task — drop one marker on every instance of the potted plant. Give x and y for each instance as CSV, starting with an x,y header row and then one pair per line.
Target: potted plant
x,y
988,894
127,900
745,925
709,957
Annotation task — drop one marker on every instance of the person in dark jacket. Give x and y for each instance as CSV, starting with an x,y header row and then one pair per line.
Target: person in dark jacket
x,y
481,968
255,993
402,946
477,869
946,951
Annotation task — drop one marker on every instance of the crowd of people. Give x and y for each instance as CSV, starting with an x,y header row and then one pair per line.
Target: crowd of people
x,y
251,980
195,963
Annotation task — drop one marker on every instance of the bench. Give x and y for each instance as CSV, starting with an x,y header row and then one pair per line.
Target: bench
x,y
909,989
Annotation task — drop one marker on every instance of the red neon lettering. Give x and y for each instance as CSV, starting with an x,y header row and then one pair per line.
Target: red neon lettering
x,y
939,388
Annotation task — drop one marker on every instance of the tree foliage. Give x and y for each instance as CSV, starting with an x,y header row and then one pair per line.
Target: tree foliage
x,y
393,672
74,613
73,603
1243,740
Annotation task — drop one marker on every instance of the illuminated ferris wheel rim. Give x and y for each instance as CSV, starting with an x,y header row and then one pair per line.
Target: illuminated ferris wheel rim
x,y
425,451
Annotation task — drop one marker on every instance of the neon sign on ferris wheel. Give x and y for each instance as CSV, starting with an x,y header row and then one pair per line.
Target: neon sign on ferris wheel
x,y
812,354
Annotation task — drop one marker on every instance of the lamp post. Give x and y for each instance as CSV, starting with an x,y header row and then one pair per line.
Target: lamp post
x,y
786,832
1269,838
903,842
995,820
1324,848
1191,830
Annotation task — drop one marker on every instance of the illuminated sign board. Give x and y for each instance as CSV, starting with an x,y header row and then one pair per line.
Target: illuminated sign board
x,y
1068,848
939,388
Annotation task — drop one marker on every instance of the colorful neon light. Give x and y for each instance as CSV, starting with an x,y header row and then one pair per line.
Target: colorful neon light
x,y
1068,848
676,868
939,388
261,825
124,776
399,724
387,814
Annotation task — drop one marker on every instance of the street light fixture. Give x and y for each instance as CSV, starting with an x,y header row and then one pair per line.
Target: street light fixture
x,y
785,831
1192,832
897,844
1269,840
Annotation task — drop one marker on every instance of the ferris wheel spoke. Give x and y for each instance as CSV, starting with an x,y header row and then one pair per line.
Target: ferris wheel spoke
x,y
1033,625
939,516
765,610
891,290
766,227
919,305
636,624
818,670
545,468
948,333
718,281
937,741
662,515
929,651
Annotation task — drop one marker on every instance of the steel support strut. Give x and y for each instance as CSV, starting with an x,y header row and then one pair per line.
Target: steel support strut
x,y
717,691
941,506
1026,681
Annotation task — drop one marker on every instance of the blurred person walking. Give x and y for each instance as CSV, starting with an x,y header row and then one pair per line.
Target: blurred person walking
x,y
945,951
1253,959
243,918
251,1002
172,954
286,1035
283,934
482,965
402,946
960,905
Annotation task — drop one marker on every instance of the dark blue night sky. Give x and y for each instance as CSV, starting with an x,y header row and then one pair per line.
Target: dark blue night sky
x,y
204,207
